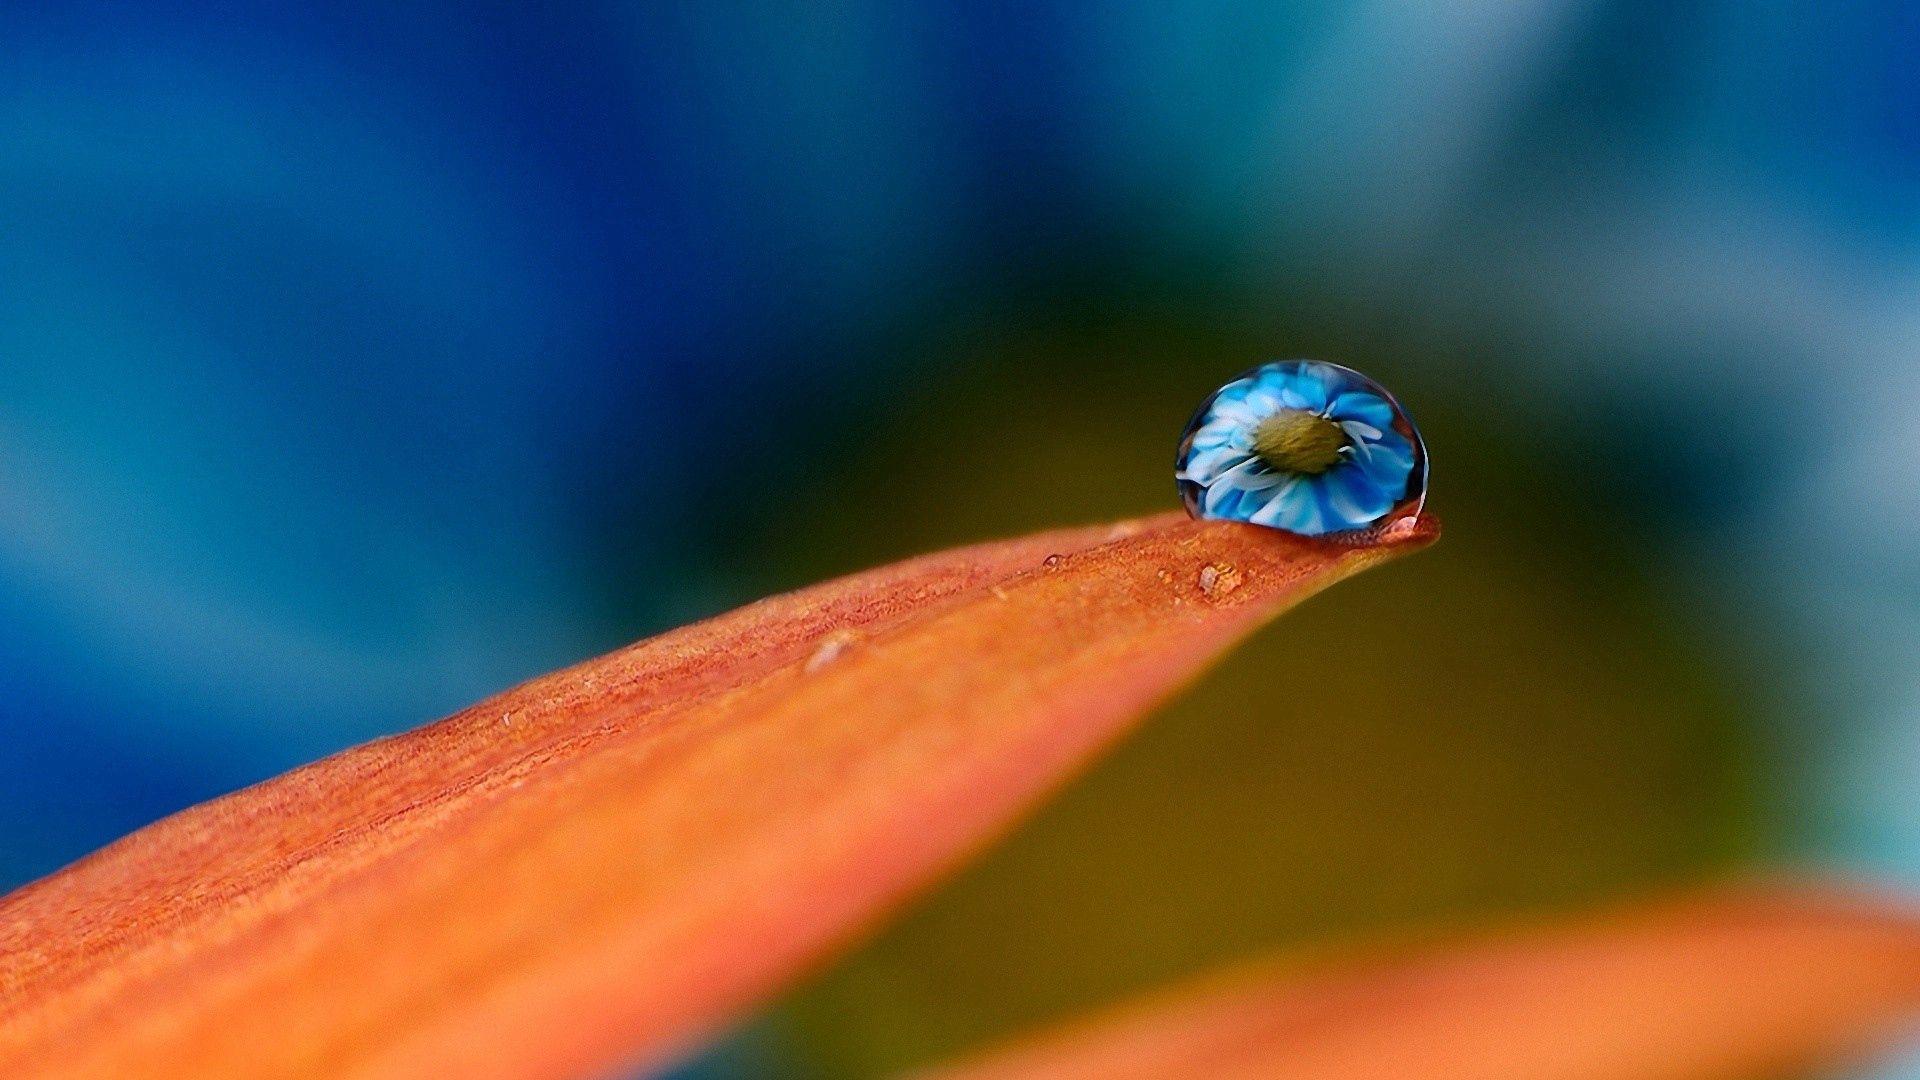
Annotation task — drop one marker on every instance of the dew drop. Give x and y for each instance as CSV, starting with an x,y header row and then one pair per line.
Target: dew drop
x,y
1219,579
830,649
1305,447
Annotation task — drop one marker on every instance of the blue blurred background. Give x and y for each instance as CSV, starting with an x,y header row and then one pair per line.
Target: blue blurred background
x,y
355,365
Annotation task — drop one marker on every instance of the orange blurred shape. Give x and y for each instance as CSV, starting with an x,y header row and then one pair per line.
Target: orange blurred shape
x,y
1742,984
596,869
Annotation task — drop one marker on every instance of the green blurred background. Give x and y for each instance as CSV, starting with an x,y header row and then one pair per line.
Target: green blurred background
x,y
357,363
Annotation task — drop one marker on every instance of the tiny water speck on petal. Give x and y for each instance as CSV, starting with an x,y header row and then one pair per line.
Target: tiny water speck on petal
x,y
829,650
1219,579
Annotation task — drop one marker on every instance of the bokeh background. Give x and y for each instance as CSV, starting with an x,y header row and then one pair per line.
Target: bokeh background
x,y
355,365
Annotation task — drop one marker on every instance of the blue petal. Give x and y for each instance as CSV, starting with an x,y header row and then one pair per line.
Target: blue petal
x,y
1319,384
1234,410
1359,431
1362,406
1237,390
1290,385
1353,499
1206,466
1224,493
1294,507
1253,475
1274,377
1266,401
1212,433
1222,501
1387,461
1275,503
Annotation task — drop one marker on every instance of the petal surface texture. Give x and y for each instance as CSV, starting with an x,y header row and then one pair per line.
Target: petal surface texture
x,y
598,869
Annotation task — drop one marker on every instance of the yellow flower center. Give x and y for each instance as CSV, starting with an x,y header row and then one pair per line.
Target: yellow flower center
x,y
1295,441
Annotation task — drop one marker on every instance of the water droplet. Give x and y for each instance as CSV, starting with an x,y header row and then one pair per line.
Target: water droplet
x,y
1302,446
830,649
1051,561
1219,579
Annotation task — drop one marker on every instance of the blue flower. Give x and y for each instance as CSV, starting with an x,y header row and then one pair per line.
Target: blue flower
x,y
1299,445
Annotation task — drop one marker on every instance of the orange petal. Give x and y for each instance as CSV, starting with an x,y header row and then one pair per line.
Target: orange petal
x,y
601,866
1740,985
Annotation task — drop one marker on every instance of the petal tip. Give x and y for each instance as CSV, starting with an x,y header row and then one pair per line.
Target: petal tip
x,y
1416,531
